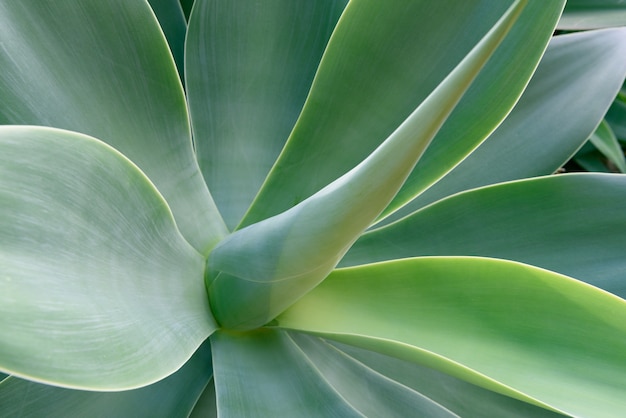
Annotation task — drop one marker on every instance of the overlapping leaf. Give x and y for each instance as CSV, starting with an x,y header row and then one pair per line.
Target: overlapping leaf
x,y
258,271
593,14
516,329
535,139
249,69
383,60
174,396
98,289
104,69
536,221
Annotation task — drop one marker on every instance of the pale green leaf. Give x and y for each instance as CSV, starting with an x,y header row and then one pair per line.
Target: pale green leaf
x,y
605,141
593,14
103,68
263,373
255,273
569,223
174,396
398,53
516,329
459,396
559,110
299,376
98,289
249,68
368,391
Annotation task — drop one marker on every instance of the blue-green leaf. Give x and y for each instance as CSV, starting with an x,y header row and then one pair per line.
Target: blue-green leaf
x,y
512,328
249,70
564,102
103,68
260,270
570,223
399,52
98,289
174,396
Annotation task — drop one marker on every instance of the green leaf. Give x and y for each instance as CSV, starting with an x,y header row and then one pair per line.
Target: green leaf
x,y
263,373
98,289
553,222
460,397
516,329
314,378
257,272
398,53
605,141
371,393
174,25
593,14
174,396
559,110
249,69
103,68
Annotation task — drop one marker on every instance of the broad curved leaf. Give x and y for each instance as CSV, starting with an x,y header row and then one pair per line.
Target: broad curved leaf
x,y
516,329
313,379
459,396
249,69
98,289
559,110
593,14
399,52
257,272
103,68
536,221
174,396
263,373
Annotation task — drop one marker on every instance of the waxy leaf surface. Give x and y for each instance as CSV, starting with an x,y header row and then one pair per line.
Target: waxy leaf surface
x,y
516,329
98,289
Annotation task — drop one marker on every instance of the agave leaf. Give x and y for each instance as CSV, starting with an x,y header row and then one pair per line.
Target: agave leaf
x,y
98,289
174,25
257,272
535,139
315,380
371,393
273,374
398,53
174,396
127,93
605,141
459,396
249,69
593,14
512,328
534,221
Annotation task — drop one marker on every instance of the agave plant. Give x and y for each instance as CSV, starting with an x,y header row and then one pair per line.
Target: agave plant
x,y
383,234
